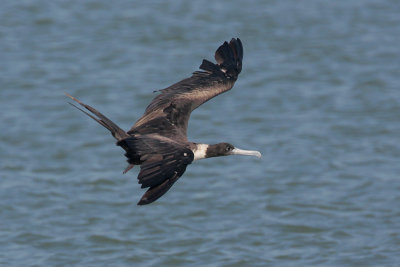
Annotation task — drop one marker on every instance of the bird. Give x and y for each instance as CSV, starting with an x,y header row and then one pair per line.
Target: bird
x,y
158,140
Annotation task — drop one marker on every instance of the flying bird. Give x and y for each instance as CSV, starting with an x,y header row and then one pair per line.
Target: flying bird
x,y
158,140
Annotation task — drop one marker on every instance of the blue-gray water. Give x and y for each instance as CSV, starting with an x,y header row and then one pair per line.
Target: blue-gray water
x,y
318,96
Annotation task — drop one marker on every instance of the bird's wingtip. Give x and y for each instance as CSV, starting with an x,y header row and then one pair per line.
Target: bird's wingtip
x,y
143,202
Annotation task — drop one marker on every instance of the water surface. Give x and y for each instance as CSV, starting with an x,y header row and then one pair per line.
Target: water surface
x,y
318,96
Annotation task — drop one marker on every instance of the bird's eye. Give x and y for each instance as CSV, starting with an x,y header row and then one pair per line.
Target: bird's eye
x,y
228,148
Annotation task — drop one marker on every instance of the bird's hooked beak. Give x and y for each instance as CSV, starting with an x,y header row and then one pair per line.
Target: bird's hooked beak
x,y
237,151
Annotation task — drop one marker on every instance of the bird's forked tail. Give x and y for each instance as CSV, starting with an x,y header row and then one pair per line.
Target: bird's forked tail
x,y
117,132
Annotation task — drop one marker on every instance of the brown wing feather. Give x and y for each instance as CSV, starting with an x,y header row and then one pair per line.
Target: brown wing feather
x,y
162,161
176,102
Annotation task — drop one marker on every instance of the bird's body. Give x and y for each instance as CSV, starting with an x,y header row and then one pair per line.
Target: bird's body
x,y
158,140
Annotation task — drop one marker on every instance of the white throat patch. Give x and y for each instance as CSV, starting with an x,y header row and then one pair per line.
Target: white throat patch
x,y
200,151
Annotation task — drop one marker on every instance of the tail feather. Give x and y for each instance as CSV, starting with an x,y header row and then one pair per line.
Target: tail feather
x,y
116,131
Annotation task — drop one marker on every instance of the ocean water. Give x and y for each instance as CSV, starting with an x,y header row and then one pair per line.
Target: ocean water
x,y
318,96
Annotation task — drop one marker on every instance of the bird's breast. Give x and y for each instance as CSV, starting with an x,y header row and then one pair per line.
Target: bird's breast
x,y
200,151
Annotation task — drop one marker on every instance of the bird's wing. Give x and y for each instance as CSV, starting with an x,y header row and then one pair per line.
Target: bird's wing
x,y
175,103
163,162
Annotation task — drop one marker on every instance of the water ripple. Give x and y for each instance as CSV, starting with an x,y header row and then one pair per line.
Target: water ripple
x,y
318,96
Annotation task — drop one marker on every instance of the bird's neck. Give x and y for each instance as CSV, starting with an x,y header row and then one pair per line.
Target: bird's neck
x,y
200,151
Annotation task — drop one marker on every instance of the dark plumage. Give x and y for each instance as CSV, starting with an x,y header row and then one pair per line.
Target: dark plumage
x,y
158,140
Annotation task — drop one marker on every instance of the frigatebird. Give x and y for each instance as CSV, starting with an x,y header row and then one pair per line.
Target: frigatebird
x,y
158,140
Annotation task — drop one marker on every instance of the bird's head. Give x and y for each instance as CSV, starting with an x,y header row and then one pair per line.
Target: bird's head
x,y
226,149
